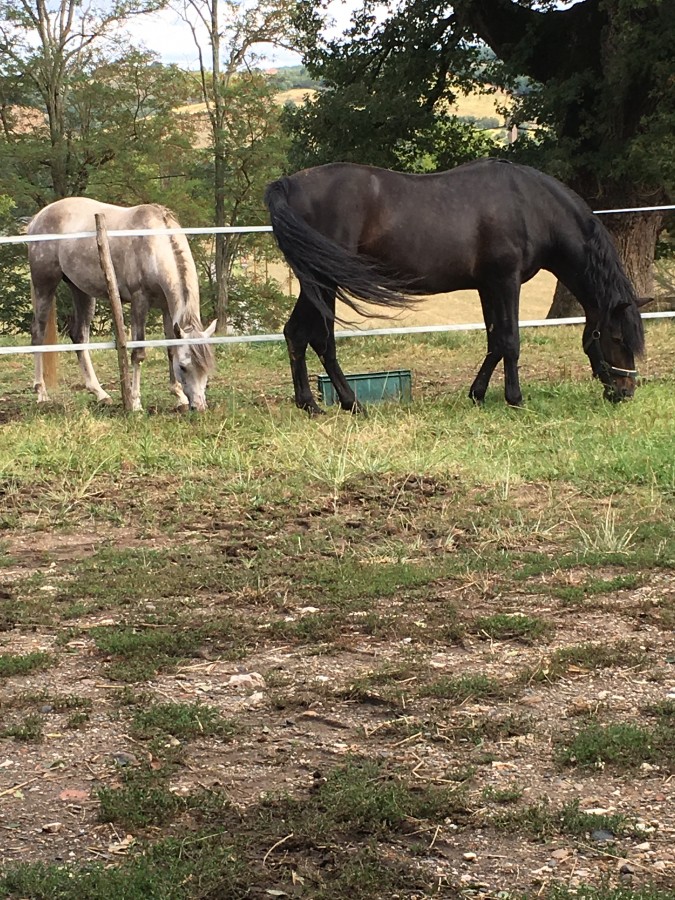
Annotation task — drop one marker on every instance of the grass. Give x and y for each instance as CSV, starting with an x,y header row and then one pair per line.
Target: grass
x,y
394,580
179,720
465,687
541,820
622,745
12,664
582,658
508,626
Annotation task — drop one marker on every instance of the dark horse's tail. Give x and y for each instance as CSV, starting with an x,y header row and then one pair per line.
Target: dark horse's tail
x,y
610,284
321,265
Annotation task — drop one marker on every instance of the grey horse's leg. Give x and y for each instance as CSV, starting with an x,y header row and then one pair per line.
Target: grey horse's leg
x,y
84,308
182,402
139,316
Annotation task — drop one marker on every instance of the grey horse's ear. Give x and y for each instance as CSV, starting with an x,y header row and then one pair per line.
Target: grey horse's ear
x,y
211,330
178,331
643,301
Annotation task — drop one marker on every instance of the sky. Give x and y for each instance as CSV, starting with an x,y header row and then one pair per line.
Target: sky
x,y
167,35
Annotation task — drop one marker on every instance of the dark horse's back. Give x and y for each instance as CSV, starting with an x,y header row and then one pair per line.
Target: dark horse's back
x,y
443,232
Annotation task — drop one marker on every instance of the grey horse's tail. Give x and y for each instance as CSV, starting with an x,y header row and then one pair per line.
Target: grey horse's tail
x,y
49,360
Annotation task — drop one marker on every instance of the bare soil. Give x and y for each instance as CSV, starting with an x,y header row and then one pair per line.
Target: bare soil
x,y
297,720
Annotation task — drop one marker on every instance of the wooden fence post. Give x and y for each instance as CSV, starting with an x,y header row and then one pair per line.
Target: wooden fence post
x,y
116,307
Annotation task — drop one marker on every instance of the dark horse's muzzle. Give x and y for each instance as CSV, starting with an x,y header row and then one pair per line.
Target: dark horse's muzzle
x,y
619,383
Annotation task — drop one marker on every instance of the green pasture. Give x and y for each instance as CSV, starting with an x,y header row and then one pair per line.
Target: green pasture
x,y
154,540
253,433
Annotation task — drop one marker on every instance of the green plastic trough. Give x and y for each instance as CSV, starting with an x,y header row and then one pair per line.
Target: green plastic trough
x,y
371,387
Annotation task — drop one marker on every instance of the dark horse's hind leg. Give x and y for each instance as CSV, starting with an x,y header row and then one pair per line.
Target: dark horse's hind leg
x,y
500,312
307,326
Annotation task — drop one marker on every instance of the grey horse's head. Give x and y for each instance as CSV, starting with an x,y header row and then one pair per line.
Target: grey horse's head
x,y
193,363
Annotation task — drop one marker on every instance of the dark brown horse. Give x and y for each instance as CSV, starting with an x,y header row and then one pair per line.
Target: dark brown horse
x,y
361,233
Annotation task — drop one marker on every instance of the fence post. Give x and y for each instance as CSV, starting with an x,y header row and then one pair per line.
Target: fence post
x,y
116,307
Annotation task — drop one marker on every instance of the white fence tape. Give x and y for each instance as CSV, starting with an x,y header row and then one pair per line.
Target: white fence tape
x,y
230,229
144,232
260,338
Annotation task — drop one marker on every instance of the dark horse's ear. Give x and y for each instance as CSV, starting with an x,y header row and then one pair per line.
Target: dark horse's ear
x,y
639,302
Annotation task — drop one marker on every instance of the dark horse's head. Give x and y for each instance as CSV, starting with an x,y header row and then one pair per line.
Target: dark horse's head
x,y
612,345
613,335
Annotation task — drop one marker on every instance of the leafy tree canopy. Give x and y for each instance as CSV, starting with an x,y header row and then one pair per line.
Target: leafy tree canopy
x,y
596,76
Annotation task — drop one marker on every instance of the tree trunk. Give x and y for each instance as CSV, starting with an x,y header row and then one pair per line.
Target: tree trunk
x,y
635,237
565,305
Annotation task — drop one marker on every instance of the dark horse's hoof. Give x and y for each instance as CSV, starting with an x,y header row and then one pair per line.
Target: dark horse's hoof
x,y
314,412
357,409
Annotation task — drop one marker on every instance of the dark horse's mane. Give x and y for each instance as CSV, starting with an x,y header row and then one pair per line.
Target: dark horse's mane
x,y
616,297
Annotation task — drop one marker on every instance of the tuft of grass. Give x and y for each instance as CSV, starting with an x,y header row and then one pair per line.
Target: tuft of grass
x,y
606,536
574,594
465,687
180,720
512,626
605,892
141,653
145,798
167,870
495,728
622,745
585,658
363,797
510,794
142,643
29,730
16,664
542,820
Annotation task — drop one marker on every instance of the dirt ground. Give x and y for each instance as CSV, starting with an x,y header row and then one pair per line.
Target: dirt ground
x,y
298,719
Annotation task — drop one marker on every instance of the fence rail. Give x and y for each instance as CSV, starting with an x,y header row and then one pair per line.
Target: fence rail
x,y
263,338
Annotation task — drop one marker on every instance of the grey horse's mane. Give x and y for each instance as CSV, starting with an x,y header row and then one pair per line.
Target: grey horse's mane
x,y
189,319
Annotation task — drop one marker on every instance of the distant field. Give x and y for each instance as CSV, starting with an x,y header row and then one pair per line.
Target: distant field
x,y
459,307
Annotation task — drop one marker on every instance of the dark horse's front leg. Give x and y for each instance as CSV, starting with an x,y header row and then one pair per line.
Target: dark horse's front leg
x,y
308,326
500,313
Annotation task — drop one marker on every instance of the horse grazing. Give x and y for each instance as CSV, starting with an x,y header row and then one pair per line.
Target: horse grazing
x,y
153,270
362,233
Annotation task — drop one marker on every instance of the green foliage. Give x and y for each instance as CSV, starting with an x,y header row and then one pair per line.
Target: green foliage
x,y
181,720
29,729
15,303
597,80
353,126
289,77
465,687
256,306
505,626
144,799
